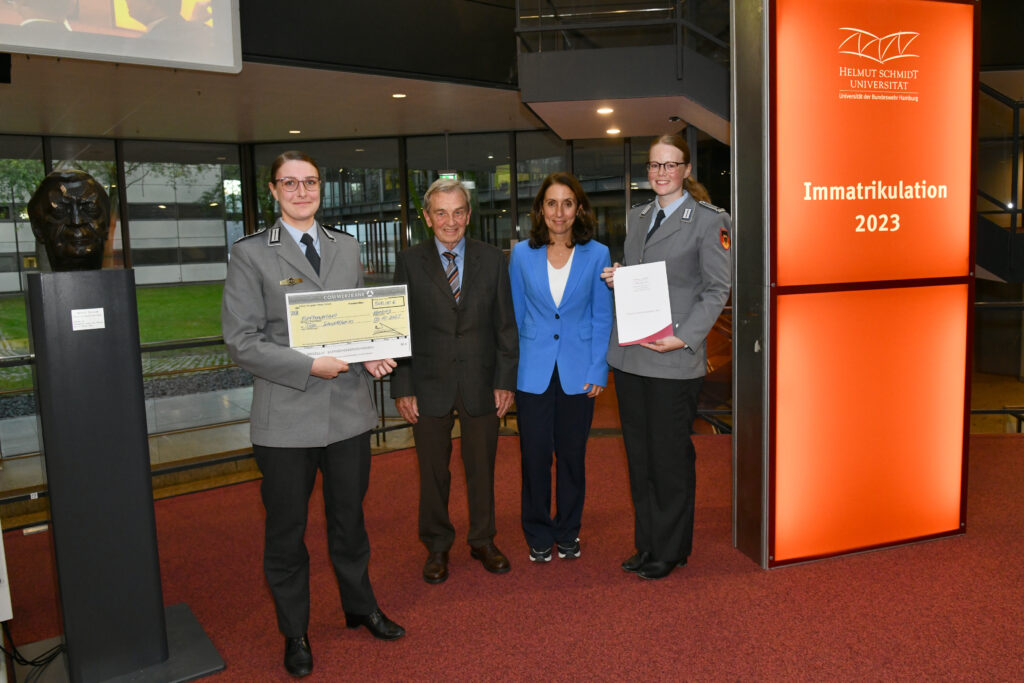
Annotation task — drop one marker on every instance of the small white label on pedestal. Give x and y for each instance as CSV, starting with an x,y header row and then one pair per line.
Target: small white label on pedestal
x,y
87,319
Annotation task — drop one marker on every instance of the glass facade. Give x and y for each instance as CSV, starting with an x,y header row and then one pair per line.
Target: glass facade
x,y
483,164
178,207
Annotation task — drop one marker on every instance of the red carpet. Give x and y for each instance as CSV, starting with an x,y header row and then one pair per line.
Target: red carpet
x,y
949,609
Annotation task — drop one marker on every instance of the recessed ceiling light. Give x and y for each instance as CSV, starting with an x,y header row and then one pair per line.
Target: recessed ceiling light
x,y
398,95
605,110
294,132
360,149
213,203
161,206
613,131
490,156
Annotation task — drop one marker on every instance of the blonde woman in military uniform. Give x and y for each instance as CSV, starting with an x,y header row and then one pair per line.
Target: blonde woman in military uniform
x,y
657,383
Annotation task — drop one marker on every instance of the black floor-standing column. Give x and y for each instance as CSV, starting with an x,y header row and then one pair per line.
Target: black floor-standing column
x,y
85,335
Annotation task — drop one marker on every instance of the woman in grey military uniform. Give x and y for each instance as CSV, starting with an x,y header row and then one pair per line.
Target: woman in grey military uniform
x,y
307,414
658,382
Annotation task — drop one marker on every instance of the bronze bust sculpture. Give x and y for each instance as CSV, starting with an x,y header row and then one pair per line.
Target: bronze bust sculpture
x,y
70,215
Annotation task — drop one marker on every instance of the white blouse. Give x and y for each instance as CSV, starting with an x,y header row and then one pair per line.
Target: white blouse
x,y
557,277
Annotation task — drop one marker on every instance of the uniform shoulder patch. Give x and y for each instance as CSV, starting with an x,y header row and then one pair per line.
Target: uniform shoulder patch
x,y
336,229
709,205
245,237
646,201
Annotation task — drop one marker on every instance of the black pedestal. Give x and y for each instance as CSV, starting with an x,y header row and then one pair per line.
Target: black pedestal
x,y
192,655
85,336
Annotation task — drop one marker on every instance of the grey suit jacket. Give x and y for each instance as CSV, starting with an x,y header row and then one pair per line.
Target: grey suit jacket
x,y
472,346
290,407
694,242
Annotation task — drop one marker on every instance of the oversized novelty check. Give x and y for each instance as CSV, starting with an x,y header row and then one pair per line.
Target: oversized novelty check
x,y
351,324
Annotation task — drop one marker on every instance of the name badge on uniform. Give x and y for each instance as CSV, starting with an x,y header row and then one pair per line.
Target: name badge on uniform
x,y
290,281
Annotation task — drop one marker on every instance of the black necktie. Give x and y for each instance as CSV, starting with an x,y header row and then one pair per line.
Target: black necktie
x,y
311,255
657,221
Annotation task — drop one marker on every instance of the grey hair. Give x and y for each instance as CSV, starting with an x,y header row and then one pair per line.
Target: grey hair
x,y
444,185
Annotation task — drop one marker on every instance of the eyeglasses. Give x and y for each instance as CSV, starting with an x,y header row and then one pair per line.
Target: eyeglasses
x,y
669,166
291,184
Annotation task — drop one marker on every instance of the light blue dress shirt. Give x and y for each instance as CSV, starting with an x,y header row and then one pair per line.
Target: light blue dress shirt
x,y
297,236
669,210
460,256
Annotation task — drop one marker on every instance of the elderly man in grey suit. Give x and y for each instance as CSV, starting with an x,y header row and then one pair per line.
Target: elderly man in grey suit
x,y
465,358
306,414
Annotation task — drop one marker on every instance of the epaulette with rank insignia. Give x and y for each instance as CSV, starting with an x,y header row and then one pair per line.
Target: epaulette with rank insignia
x,y
339,231
711,206
648,202
245,237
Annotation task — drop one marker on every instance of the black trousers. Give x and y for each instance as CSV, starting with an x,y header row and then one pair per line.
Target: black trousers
x,y
288,478
434,452
558,423
657,419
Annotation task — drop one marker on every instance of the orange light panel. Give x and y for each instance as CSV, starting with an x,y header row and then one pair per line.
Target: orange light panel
x,y
873,97
869,417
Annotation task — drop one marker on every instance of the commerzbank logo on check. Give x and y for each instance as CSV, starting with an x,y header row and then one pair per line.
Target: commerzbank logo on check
x,y
881,49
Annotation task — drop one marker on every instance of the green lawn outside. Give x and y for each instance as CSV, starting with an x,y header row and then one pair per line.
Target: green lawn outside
x,y
165,314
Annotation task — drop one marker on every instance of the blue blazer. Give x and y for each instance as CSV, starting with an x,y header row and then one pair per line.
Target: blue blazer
x,y
575,334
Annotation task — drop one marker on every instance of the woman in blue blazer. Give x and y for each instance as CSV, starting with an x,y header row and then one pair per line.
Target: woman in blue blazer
x,y
564,314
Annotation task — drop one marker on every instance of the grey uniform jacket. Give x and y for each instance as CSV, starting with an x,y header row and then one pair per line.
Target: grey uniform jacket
x,y
694,242
290,407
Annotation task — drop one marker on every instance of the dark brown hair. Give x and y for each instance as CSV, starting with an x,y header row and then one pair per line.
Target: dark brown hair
x,y
696,190
291,155
583,227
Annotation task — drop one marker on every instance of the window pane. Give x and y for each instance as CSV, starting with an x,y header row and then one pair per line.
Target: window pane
x,y
21,171
361,194
481,162
538,155
599,165
184,203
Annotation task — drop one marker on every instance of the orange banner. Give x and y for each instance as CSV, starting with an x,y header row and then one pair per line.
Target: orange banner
x,y
870,417
873,140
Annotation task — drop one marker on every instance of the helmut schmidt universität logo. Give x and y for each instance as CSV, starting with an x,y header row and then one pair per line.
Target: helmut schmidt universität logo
x,y
879,49
867,75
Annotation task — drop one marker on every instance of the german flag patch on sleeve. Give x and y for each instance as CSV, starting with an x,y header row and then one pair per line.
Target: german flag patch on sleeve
x,y
723,237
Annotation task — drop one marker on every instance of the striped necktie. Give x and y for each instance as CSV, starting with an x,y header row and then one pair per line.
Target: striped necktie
x,y
451,272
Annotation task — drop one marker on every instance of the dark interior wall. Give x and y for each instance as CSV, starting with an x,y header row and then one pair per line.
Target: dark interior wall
x,y
997,333
470,41
1002,25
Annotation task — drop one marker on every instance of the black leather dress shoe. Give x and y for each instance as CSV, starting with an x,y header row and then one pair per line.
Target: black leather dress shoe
x,y
634,563
658,570
377,623
298,658
436,568
493,560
